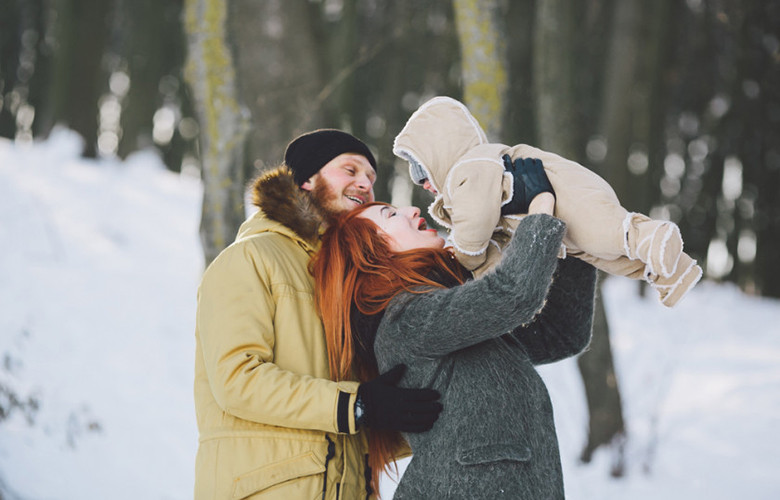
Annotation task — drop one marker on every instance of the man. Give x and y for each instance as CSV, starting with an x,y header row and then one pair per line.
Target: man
x,y
272,423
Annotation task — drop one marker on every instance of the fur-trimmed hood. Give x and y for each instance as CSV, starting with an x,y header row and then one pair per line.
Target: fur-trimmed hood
x,y
436,136
282,202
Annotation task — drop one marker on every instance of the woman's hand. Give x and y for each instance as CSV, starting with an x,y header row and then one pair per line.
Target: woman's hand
x,y
543,203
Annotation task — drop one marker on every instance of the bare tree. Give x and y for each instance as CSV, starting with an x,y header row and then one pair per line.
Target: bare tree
x,y
556,117
211,75
77,78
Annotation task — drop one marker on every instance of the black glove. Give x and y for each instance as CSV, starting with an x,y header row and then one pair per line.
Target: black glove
x,y
386,406
530,180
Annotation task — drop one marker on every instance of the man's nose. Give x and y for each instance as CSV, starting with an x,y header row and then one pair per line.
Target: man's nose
x,y
364,182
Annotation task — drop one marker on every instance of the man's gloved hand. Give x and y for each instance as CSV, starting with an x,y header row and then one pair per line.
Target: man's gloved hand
x,y
530,180
386,406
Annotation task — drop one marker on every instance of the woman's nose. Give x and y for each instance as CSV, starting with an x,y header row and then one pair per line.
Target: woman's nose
x,y
414,211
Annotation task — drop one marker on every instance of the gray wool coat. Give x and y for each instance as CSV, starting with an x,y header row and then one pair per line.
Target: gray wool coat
x,y
477,344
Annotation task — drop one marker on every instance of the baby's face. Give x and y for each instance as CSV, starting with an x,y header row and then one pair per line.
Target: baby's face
x,y
429,187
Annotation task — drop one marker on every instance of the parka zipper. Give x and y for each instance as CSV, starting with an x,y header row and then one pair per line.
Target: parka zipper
x,y
331,454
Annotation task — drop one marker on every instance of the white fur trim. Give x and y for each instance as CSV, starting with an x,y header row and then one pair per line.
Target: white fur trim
x,y
672,228
673,287
436,219
472,121
514,216
407,156
443,99
511,188
626,227
449,242
649,241
469,252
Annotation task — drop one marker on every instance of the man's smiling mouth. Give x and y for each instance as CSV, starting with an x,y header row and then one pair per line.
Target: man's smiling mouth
x,y
355,199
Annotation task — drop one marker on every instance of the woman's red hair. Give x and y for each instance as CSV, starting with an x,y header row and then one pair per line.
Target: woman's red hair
x,y
355,267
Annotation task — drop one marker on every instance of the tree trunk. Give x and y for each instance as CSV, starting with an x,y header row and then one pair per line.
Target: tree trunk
x,y
11,27
78,79
519,123
606,426
758,147
554,78
616,125
280,53
483,62
651,96
143,36
557,119
410,47
223,126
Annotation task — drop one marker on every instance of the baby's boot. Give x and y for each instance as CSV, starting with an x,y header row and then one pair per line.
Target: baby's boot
x,y
673,288
656,243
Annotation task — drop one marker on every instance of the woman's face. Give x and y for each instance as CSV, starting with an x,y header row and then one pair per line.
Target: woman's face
x,y
403,227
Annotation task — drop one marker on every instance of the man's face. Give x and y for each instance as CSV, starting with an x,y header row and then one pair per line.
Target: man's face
x,y
344,183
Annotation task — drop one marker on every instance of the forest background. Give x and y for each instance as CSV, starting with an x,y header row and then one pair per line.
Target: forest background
x,y
675,102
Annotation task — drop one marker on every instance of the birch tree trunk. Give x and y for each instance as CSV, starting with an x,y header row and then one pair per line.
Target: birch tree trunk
x,y
556,118
483,62
210,73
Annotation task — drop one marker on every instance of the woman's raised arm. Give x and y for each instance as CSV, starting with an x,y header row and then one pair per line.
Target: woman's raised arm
x,y
441,321
563,328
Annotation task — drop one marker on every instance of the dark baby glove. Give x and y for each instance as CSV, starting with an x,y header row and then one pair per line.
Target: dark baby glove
x,y
530,180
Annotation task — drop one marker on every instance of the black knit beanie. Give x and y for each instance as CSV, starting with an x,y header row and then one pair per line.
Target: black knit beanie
x,y
308,153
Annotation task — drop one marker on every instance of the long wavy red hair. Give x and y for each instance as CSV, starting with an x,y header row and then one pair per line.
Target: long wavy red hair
x,y
355,267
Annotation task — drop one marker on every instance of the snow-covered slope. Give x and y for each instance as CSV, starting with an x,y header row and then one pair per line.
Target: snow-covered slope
x,y
99,265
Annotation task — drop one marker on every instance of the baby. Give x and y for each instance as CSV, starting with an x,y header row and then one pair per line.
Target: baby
x,y
449,154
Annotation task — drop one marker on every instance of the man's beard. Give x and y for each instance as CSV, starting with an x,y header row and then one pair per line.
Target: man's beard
x,y
325,200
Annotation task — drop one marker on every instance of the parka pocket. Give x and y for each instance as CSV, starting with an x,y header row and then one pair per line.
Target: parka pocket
x,y
494,453
269,475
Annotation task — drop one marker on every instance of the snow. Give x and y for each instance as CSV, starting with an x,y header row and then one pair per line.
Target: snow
x,y
99,270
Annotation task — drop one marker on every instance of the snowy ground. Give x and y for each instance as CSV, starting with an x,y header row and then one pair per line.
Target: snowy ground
x,y
99,263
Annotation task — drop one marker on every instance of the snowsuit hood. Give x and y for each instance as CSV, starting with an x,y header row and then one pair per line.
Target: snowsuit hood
x,y
436,136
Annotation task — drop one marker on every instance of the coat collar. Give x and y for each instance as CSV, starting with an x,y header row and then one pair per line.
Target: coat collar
x,y
280,199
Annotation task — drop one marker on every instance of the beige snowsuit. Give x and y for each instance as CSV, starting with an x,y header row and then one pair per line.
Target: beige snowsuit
x,y
444,143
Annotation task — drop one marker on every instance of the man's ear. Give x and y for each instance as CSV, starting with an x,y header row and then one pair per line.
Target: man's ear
x,y
307,186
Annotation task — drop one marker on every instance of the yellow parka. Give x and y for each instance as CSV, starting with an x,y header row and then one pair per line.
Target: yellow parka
x,y
272,424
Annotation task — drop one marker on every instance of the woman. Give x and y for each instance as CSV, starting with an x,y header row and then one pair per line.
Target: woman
x,y
387,287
